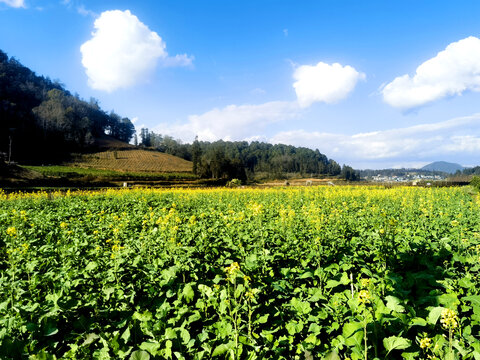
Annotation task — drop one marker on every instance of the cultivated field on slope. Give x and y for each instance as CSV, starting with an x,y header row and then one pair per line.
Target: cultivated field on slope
x,y
133,161
284,273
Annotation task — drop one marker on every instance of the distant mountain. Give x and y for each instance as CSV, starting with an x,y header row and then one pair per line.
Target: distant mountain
x,y
443,166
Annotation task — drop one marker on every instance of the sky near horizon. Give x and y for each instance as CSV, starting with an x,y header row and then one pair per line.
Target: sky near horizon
x,y
371,84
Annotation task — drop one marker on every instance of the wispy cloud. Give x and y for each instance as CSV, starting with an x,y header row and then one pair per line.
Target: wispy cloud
x,y
82,10
123,51
258,91
445,140
14,3
233,122
324,83
451,72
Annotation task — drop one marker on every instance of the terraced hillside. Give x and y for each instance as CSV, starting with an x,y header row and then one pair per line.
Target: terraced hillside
x,y
133,161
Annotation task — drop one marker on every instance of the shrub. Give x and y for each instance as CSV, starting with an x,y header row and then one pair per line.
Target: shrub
x,y
475,182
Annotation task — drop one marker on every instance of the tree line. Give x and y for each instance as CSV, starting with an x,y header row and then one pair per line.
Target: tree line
x,y
469,171
40,119
243,160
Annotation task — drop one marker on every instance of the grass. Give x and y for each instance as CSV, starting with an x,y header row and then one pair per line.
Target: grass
x,y
78,172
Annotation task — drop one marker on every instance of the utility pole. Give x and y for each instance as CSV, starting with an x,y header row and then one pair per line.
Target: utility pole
x,y
9,148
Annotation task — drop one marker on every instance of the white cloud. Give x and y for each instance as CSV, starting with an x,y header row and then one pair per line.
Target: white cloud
x,y
14,3
447,140
123,52
451,72
233,122
324,83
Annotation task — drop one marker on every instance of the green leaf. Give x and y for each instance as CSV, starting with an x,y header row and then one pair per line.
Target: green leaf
x,y
434,314
291,327
396,343
142,317
353,333
185,335
312,339
222,349
448,300
302,307
393,304
332,283
314,328
410,355
317,295
239,290
168,349
474,299
90,338
108,291
417,322
140,355
92,265
332,356
50,330
126,335
306,275
170,333
294,327
262,319
4,305
345,280
151,347
188,293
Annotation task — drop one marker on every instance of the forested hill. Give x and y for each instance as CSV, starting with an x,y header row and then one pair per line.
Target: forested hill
x,y
40,120
242,160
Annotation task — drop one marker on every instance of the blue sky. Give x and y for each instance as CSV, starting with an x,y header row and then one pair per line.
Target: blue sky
x,y
372,84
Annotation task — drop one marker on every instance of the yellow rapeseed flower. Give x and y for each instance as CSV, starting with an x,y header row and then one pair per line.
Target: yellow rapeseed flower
x,y
12,231
365,283
449,319
425,343
364,296
232,270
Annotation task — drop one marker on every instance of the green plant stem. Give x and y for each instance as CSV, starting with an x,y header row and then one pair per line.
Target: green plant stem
x,y
365,337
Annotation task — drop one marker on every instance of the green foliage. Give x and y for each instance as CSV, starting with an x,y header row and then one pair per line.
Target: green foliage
x,y
44,121
242,160
75,172
475,182
234,183
313,272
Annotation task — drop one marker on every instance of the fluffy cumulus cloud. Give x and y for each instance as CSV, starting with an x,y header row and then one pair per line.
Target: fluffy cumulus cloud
x,y
14,3
453,71
233,122
123,51
447,140
324,83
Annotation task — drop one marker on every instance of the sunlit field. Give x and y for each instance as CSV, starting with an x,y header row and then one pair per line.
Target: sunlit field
x,y
285,273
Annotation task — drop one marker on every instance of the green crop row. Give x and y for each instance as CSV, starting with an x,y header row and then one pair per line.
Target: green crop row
x,y
296,273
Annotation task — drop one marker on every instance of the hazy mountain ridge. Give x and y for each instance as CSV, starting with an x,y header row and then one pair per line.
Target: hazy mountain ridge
x,y
443,166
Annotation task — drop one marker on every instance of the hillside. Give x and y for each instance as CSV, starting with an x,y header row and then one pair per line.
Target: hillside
x,y
134,160
443,166
42,122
